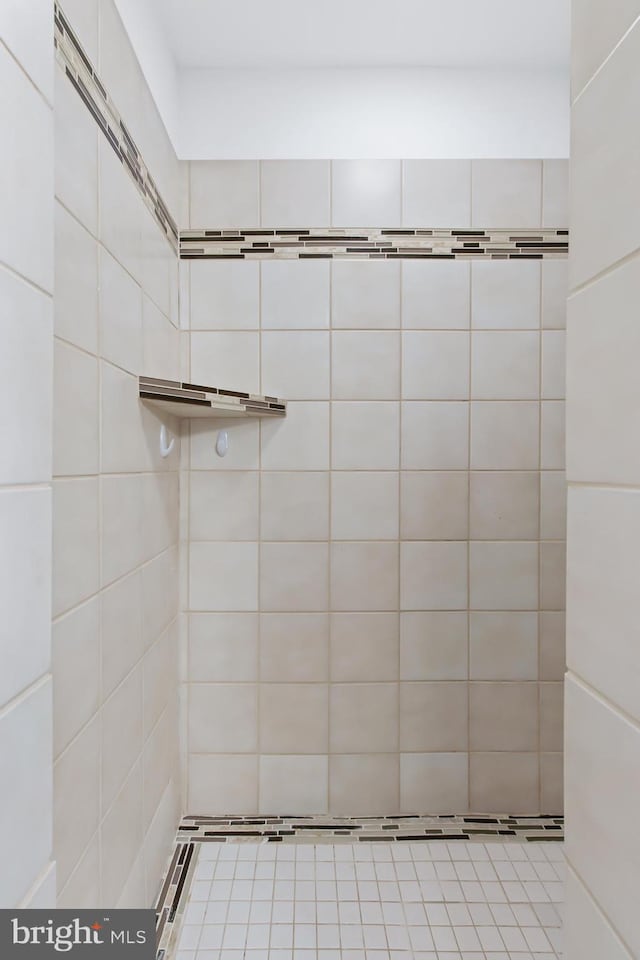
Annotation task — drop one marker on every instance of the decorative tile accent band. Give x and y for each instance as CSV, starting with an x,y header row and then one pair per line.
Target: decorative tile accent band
x,y
195,830
83,76
196,400
374,244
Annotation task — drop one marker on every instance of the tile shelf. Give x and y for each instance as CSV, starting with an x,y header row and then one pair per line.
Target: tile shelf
x,y
194,400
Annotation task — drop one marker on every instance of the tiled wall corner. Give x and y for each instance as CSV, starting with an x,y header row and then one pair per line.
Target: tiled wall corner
x,y
374,582
26,361
603,469
116,501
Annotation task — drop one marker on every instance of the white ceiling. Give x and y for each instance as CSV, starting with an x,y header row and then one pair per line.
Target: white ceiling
x,y
366,33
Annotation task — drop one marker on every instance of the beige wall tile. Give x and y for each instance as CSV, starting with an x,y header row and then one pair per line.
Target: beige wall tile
x,y
552,445
76,672
553,562
595,34
223,576
76,792
364,576
551,716
295,364
552,782
121,630
363,717
301,442
224,295
223,717
553,505
433,645
505,365
506,295
503,646
223,505
364,506
121,834
436,295
435,436
75,542
295,193
366,783
504,576
294,576
433,716
224,194
365,193
122,734
504,505
503,716
294,718
436,192
504,435
365,436
295,294
555,283
223,783
553,365
294,506
294,647
223,646
552,645
364,646
227,360
504,780
506,192
434,506
555,193
433,575
365,365
297,784
365,294
120,314
76,282
435,365
434,782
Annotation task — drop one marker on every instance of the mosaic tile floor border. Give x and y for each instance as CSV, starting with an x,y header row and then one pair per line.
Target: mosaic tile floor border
x,y
195,830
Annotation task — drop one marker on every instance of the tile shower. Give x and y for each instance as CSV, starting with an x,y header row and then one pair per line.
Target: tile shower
x,y
358,612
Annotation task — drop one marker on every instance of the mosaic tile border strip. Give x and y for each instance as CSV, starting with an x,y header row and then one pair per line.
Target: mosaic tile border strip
x,y
374,244
82,74
197,400
195,830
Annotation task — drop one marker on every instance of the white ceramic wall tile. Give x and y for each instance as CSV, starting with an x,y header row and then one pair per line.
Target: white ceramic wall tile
x,y
296,364
553,365
223,646
227,360
433,575
503,646
76,672
76,282
294,647
294,506
301,442
506,193
555,283
433,645
595,36
295,294
225,296
223,576
366,193
294,718
364,576
121,637
293,576
503,576
223,505
433,717
365,436
75,542
505,365
223,718
435,436
121,833
434,505
555,193
27,30
435,365
604,191
504,435
223,783
365,365
436,193
506,295
504,505
76,799
364,647
363,717
25,730
364,506
75,405
121,548
295,193
122,734
76,149
508,778
365,782
25,381
28,167
365,294
503,716
436,294
224,194
434,781
299,783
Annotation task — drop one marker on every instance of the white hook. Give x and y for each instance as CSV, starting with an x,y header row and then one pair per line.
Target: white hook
x,y
165,447
222,443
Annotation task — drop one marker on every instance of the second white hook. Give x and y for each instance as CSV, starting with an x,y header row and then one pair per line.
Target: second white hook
x,y
166,445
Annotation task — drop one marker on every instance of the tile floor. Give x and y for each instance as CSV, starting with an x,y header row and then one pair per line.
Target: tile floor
x,y
371,901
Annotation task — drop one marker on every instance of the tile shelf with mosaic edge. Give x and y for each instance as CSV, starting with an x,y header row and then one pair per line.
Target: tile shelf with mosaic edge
x,y
194,400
